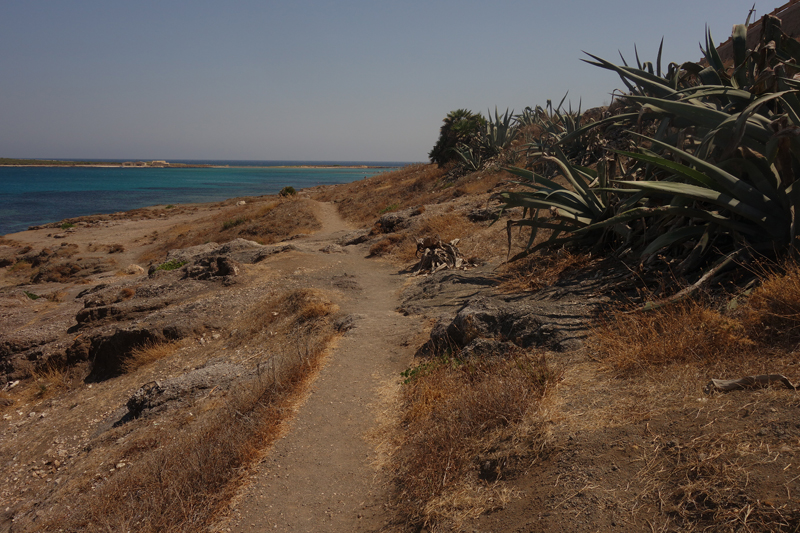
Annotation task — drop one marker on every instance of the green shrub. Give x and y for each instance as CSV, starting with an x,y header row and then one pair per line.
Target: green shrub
x,y
31,295
228,224
460,127
287,191
173,264
67,225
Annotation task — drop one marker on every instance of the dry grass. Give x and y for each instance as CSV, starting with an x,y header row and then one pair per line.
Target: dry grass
x,y
730,470
684,332
185,479
363,201
48,381
700,485
148,353
402,246
265,221
537,271
463,425
763,324
772,312
179,474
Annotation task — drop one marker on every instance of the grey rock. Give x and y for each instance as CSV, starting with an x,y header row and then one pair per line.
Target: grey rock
x,y
332,249
155,396
506,324
211,267
237,245
188,254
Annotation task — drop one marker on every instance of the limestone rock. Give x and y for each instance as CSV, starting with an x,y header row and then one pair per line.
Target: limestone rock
x,y
134,270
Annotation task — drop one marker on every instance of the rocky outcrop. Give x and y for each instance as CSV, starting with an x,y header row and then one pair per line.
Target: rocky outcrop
x,y
492,326
106,352
219,266
157,396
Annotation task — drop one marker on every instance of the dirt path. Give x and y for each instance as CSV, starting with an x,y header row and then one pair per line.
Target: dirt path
x,y
321,476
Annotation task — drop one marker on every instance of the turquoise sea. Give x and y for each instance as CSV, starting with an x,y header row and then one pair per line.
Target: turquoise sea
x,y
36,195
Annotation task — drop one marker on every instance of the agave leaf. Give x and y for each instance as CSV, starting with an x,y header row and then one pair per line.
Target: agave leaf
x,y
532,202
667,164
672,237
676,211
702,91
744,116
698,114
533,177
729,183
577,182
659,86
685,190
791,105
583,129
712,56
710,76
762,175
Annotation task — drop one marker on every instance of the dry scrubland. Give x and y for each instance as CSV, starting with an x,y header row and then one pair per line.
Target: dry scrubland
x,y
566,390
528,435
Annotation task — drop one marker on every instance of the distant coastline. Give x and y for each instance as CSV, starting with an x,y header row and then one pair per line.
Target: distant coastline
x,y
12,162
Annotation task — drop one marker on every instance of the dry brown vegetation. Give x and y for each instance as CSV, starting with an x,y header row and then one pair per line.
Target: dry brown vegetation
x,y
264,221
364,201
537,271
177,471
148,353
463,426
750,328
733,469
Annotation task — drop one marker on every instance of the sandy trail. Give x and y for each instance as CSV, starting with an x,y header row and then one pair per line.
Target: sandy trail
x,y
321,476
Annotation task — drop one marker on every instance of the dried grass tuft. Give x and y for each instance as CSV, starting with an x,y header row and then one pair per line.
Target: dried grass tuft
x,y
684,332
772,312
181,474
463,425
148,353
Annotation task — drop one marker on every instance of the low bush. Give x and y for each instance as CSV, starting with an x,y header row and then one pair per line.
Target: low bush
x,y
172,264
228,224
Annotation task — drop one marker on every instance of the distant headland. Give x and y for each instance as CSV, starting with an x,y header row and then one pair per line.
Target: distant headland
x,y
11,162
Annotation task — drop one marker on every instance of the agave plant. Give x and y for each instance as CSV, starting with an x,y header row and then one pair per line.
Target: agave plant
x,y
500,133
581,205
715,170
471,158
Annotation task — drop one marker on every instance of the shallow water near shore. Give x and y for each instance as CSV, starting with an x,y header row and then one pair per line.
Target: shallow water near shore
x,y
37,195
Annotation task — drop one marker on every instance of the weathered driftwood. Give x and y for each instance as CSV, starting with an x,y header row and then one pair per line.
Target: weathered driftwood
x,y
749,382
436,255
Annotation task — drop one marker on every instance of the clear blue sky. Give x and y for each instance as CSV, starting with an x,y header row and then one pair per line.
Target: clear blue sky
x,y
309,80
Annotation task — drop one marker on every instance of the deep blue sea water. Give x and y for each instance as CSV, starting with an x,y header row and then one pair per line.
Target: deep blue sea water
x,y
36,195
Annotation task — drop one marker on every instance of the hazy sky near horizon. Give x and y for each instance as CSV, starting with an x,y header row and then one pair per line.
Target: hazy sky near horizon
x,y
310,79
